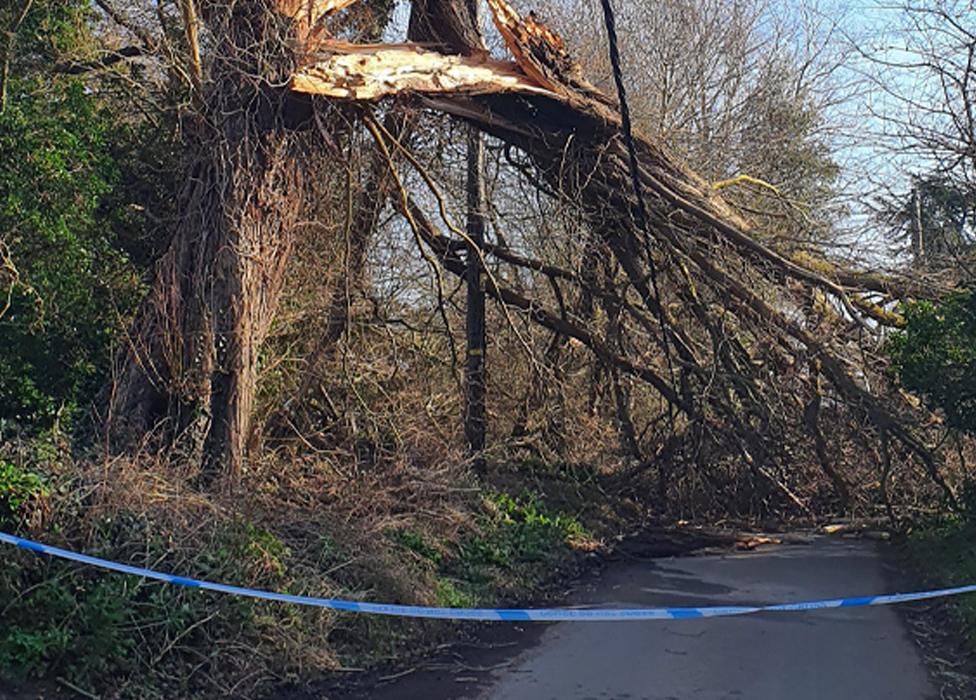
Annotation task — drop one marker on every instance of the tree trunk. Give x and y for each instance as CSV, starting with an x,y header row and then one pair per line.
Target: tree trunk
x,y
193,357
474,413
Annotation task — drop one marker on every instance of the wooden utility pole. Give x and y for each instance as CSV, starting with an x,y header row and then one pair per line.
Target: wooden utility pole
x,y
918,232
474,409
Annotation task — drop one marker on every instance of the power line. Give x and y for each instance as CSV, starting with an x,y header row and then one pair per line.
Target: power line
x,y
641,213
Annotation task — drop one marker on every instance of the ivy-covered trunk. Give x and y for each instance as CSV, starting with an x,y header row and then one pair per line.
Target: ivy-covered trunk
x,y
190,367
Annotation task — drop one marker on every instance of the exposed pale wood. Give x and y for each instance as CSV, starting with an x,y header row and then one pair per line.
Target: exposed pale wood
x,y
310,18
541,53
327,7
191,25
311,11
369,73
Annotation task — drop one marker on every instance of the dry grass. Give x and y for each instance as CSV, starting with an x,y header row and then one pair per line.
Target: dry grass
x,y
313,523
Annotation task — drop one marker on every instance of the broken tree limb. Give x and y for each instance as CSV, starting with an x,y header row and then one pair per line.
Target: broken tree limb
x,y
745,328
372,72
448,255
554,322
369,73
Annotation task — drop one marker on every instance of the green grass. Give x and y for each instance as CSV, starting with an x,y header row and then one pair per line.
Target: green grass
x,y
418,544
451,594
516,544
519,542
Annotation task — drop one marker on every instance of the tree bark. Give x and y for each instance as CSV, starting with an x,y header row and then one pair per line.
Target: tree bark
x,y
192,359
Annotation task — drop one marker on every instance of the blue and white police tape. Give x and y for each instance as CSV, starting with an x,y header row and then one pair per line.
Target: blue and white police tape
x,y
536,614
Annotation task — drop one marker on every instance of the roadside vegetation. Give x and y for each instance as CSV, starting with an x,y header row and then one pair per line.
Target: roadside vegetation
x,y
87,628
935,356
942,553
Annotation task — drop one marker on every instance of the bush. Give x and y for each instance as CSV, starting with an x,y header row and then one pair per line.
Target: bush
x,y
76,183
21,492
935,355
944,553
96,629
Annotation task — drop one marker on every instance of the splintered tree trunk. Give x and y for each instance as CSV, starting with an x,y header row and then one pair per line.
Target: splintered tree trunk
x,y
192,360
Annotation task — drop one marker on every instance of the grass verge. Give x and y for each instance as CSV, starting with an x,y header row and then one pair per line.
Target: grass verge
x,y
944,553
295,527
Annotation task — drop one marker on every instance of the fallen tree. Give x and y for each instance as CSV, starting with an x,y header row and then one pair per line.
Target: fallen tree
x,y
744,312
744,346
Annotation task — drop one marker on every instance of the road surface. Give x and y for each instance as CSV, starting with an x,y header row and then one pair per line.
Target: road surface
x,y
856,653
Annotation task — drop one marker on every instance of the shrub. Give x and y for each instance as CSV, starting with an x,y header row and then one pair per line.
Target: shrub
x,y
520,537
935,356
21,492
93,628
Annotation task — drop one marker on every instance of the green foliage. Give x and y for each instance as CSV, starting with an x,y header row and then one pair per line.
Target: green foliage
x,y
417,544
520,533
74,172
19,491
945,553
71,281
259,553
778,117
515,545
93,628
935,221
782,141
935,355
51,30
72,622
448,594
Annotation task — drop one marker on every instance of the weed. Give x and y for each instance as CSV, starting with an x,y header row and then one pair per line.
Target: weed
x,y
449,594
21,491
519,540
417,544
71,621
259,551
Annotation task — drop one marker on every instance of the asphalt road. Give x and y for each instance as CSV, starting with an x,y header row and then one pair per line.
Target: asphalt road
x,y
856,653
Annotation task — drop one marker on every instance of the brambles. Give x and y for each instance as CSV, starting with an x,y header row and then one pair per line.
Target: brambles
x,y
21,492
93,628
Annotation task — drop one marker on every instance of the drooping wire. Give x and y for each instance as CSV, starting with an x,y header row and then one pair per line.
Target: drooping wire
x,y
641,212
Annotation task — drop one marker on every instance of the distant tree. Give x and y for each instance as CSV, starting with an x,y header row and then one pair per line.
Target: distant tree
x,y
739,89
925,101
935,221
924,104
926,75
